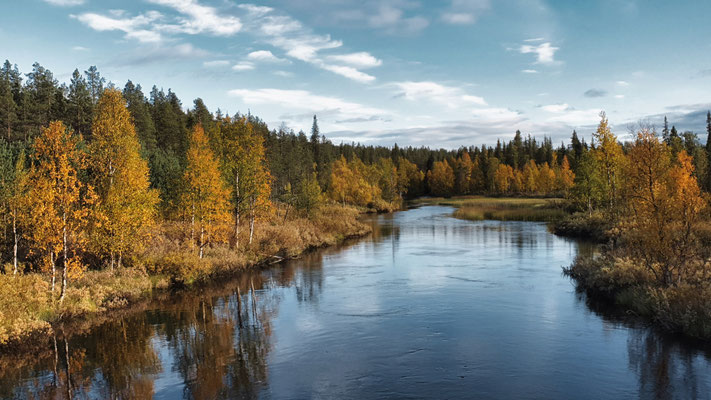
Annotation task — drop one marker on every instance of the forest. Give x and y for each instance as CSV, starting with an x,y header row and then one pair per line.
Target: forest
x,y
108,193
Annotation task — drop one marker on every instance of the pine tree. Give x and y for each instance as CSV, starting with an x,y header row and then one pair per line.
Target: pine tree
x,y
141,116
79,105
126,206
95,83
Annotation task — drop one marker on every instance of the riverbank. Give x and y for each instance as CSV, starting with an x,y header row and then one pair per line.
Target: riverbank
x,y
628,285
28,314
479,208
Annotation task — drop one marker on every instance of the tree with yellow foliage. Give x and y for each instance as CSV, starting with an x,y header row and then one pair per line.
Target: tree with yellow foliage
x,y
126,207
503,177
441,179
546,179
205,197
610,159
409,177
60,201
665,202
249,180
565,178
530,177
462,174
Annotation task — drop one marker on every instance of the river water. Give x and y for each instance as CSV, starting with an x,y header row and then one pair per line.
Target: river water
x,y
428,306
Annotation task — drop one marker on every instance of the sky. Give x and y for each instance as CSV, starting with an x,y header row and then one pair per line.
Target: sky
x,y
439,73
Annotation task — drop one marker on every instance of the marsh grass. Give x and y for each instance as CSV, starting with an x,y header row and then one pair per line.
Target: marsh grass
x,y
477,208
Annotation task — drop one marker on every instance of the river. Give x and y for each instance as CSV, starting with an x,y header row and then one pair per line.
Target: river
x,y
427,306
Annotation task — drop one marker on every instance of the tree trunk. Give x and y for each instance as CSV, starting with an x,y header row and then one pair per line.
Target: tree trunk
x,y
16,239
202,241
237,210
54,271
251,221
120,259
64,262
192,229
68,366
112,261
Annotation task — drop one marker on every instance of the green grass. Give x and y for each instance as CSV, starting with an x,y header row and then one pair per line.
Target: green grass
x,y
478,208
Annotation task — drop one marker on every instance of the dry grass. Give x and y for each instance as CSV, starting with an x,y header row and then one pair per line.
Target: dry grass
x,y
27,310
478,208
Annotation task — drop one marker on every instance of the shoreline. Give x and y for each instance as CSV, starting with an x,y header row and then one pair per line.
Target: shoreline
x,y
161,287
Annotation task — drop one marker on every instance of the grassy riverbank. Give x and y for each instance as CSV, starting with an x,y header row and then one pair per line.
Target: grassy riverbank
x,y
27,311
478,208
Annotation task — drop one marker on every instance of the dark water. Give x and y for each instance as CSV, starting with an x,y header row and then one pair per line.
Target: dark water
x,y
428,307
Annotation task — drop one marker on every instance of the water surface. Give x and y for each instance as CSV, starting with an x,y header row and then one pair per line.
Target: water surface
x,y
427,307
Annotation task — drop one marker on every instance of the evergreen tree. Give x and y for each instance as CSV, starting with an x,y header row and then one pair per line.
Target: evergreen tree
x,y
95,83
79,105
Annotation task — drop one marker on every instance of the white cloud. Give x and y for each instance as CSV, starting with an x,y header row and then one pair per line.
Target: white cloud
x,y
622,83
264,56
391,17
200,18
243,66
150,27
534,40
65,3
497,115
432,91
556,108
299,42
575,118
284,74
545,53
529,71
80,48
216,63
348,72
256,10
619,96
305,103
159,53
463,12
133,27
362,59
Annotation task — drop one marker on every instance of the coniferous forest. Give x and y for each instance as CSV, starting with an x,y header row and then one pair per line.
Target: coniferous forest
x,y
109,192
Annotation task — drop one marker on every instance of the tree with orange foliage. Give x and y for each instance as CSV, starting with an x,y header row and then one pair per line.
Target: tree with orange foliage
x,y
60,201
503,177
565,178
126,208
462,174
205,197
546,179
530,177
665,202
441,179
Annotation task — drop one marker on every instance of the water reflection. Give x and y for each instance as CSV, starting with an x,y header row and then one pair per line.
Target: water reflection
x,y
428,305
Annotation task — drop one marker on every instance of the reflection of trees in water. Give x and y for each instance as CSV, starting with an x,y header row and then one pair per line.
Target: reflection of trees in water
x,y
666,368
120,350
218,342
220,346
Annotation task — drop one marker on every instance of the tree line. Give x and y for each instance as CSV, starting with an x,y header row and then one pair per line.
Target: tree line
x,y
89,171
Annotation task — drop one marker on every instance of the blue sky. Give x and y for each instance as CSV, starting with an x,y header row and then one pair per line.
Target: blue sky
x,y
416,72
